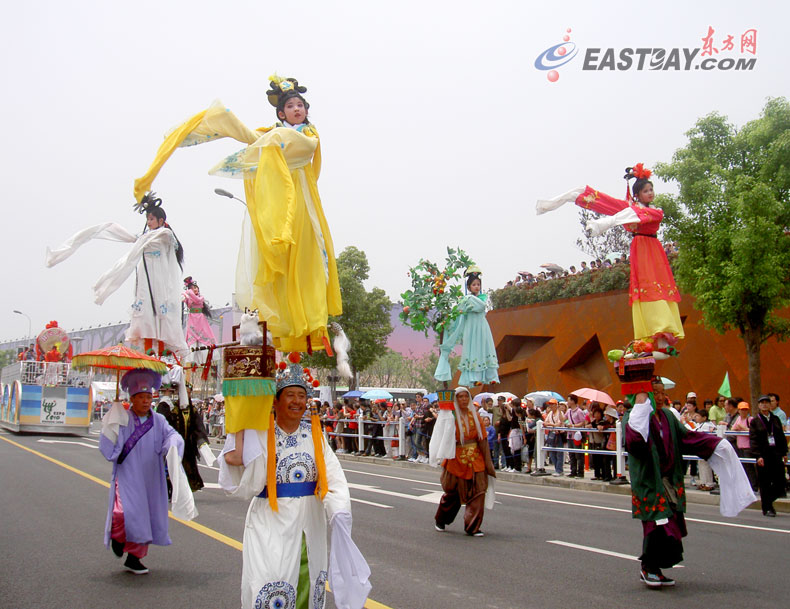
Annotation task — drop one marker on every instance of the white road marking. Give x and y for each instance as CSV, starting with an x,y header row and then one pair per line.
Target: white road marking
x,y
432,497
66,442
597,550
373,503
585,505
354,471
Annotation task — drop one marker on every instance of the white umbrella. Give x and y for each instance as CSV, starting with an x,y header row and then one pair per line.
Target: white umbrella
x,y
550,266
507,395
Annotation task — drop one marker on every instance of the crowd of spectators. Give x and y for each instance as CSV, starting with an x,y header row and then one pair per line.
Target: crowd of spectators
x,y
511,425
554,271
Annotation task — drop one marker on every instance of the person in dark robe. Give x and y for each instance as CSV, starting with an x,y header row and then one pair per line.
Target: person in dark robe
x,y
175,405
656,442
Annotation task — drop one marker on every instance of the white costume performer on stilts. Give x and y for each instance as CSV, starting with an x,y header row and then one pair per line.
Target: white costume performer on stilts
x,y
156,308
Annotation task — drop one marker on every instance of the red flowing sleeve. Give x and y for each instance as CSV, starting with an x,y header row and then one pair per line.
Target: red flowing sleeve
x,y
600,202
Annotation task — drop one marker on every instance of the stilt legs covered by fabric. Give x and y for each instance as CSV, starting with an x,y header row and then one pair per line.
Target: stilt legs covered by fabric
x,y
458,491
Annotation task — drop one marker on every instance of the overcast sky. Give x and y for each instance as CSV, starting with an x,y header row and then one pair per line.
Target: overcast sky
x,y
436,127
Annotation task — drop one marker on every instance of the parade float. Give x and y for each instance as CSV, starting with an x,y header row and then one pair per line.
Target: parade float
x,y
43,394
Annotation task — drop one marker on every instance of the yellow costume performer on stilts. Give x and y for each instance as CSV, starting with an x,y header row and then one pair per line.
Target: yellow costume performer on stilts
x,y
294,276
286,267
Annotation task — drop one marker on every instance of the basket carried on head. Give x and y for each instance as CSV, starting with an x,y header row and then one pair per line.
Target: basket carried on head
x,y
248,385
635,374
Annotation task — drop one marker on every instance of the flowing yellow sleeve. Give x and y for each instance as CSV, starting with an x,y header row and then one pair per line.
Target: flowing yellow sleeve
x,y
271,201
211,124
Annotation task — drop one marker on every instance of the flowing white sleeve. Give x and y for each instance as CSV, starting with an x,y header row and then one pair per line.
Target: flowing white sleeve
x,y
338,498
349,572
736,491
639,420
207,454
601,225
249,479
113,419
490,493
108,231
442,444
182,501
545,205
112,279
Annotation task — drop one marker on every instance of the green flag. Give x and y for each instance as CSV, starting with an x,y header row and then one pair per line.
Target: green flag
x,y
724,390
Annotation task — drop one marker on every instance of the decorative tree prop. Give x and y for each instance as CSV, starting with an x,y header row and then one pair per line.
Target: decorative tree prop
x,y
433,302
435,295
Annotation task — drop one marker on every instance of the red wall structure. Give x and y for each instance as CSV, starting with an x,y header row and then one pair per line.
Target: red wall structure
x,y
562,345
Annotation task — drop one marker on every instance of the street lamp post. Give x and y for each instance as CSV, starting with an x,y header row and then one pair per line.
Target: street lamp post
x,y
29,324
224,193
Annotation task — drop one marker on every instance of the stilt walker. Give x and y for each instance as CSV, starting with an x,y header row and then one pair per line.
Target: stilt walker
x,y
654,439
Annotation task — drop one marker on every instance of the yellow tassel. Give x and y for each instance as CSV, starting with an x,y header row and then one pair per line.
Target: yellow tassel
x,y
320,462
271,464
275,79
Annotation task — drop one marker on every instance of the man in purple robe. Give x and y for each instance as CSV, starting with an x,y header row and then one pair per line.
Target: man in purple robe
x,y
136,442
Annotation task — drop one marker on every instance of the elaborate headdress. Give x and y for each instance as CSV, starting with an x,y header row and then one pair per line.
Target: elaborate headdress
x,y
291,374
189,282
641,174
149,202
471,273
283,88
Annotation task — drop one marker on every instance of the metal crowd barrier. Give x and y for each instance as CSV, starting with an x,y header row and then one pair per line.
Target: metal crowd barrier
x,y
362,436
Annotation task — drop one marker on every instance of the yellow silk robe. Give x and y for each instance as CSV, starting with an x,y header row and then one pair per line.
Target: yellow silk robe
x,y
295,286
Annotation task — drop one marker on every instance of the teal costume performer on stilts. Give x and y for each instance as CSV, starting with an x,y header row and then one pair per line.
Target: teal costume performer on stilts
x,y
479,362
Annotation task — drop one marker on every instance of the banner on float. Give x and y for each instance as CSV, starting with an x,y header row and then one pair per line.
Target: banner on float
x,y
53,405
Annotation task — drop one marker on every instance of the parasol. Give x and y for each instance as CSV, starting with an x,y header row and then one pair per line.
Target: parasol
x,y
594,395
551,266
541,397
118,358
375,394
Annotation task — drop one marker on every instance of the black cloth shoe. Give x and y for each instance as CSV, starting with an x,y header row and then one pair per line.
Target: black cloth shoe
x,y
134,565
117,547
439,527
770,513
666,581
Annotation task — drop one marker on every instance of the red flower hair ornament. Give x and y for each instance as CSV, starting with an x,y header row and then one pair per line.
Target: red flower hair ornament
x,y
640,172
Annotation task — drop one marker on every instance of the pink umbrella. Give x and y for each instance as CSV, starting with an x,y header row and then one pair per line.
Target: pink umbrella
x,y
593,395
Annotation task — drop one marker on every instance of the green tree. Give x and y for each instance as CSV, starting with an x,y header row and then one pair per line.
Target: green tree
x,y
730,221
7,357
365,318
426,366
393,369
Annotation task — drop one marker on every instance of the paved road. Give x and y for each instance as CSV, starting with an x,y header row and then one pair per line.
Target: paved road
x,y
544,547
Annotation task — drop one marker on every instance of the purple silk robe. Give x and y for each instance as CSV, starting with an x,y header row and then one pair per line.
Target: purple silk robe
x,y
141,480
